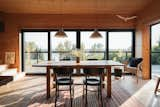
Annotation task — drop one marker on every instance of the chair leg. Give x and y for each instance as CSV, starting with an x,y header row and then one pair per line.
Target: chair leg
x,y
158,81
103,79
70,95
73,91
101,95
98,91
137,76
58,90
123,73
86,103
83,92
56,96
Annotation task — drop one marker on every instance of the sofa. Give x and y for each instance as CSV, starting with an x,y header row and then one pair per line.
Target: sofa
x,y
7,74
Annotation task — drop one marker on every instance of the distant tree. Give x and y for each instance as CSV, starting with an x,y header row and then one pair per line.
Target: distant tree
x,y
30,46
60,47
40,55
67,45
96,47
156,56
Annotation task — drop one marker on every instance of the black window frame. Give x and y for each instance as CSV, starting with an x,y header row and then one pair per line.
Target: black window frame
x,y
78,40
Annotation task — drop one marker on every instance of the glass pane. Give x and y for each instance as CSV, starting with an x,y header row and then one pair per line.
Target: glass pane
x,y
119,56
120,45
62,56
155,48
35,51
62,47
93,48
35,41
155,38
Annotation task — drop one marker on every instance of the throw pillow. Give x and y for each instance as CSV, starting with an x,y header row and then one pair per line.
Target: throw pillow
x,y
133,62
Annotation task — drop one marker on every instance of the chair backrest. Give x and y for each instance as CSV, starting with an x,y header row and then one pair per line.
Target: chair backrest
x,y
63,71
126,62
60,71
93,71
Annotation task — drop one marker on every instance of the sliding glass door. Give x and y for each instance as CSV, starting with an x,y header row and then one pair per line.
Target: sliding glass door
x,y
155,49
35,50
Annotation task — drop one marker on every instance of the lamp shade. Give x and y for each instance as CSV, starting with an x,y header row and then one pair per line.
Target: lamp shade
x,y
96,34
60,34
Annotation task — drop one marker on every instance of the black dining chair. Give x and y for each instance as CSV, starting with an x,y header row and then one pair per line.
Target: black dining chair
x,y
93,77
63,77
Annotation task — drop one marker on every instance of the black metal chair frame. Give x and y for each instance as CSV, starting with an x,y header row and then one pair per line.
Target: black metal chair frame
x,y
64,80
90,81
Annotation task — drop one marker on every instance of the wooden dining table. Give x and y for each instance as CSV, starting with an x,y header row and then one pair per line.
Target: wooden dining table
x,y
106,64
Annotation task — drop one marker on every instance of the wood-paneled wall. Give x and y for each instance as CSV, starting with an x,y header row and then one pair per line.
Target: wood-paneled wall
x,y
9,40
147,16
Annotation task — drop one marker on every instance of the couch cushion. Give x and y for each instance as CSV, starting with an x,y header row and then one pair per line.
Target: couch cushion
x,y
3,67
133,62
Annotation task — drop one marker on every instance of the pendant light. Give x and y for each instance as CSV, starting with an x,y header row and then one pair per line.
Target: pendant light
x,y
96,34
60,33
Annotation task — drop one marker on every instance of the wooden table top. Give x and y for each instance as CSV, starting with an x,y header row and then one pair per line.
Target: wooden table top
x,y
93,63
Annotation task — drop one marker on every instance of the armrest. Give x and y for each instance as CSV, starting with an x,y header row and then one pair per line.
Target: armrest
x,y
125,64
139,66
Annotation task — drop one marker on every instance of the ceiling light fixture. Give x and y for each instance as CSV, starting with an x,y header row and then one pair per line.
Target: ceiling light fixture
x,y
60,33
96,34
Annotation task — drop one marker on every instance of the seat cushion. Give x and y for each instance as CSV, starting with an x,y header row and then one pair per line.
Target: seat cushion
x,y
133,62
91,81
64,81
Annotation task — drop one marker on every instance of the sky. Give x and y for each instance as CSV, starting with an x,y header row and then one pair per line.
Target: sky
x,y
117,40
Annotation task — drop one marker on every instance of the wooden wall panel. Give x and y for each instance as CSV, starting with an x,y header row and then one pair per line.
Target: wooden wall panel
x,y
73,6
146,51
15,22
147,16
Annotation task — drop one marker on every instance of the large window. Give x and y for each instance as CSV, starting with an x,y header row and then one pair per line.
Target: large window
x,y
35,50
93,48
155,48
120,45
41,45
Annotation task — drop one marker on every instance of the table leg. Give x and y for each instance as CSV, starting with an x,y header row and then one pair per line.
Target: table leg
x,y
109,82
48,83
156,89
